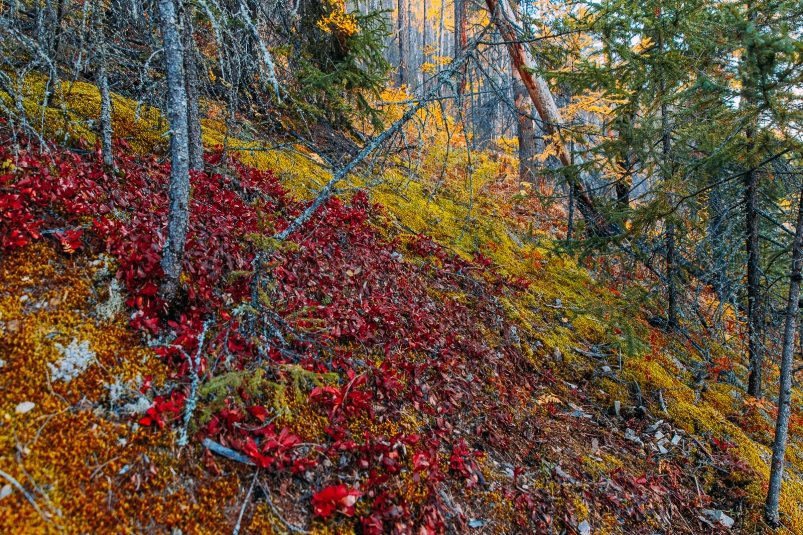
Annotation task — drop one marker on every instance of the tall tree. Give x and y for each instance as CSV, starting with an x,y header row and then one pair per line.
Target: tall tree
x,y
179,191
402,28
752,246
785,388
196,144
460,39
103,88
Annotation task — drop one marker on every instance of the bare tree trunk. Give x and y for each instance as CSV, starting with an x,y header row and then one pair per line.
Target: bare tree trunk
x,y
525,130
785,393
404,42
505,19
196,144
103,89
441,52
460,40
179,192
105,112
425,32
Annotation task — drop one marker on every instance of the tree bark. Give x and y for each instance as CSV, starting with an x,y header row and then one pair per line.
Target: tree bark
x,y
505,19
179,191
105,112
103,88
671,274
785,393
440,31
196,144
525,129
460,40
754,380
404,42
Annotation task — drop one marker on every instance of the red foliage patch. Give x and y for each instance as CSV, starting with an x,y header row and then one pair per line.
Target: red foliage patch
x,y
408,328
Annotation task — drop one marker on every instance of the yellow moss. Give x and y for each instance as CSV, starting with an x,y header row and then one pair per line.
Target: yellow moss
x,y
69,444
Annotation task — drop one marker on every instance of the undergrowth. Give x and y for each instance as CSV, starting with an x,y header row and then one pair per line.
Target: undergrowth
x,y
418,361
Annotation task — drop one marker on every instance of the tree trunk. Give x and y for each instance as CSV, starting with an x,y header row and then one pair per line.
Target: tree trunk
x,y
440,31
105,112
196,144
179,192
668,171
671,274
525,130
460,40
103,88
404,42
753,285
425,31
505,19
785,393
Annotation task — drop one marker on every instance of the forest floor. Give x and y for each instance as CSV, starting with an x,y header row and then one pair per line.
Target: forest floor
x,y
416,363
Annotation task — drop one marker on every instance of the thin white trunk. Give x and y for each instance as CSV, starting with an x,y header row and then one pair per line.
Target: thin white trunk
x,y
267,59
105,112
785,394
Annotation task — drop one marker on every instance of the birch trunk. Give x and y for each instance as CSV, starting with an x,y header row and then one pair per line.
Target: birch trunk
x,y
179,191
785,393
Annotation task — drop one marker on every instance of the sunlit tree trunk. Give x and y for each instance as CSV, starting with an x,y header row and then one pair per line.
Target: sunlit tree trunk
x,y
179,191
785,393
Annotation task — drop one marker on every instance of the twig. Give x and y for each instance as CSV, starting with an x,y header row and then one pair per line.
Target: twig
x,y
661,402
289,526
228,453
195,365
245,504
24,492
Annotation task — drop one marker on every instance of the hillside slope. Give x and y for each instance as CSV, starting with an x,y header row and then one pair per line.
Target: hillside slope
x,y
416,364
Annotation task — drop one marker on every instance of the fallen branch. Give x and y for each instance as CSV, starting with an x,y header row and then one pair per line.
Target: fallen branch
x,y
195,365
340,174
245,504
28,497
228,453
287,524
